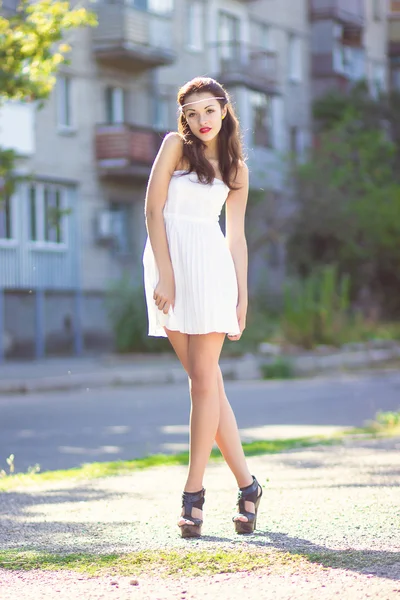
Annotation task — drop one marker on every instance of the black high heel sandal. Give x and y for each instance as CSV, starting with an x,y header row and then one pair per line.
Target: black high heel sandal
x,y
192,500
249,494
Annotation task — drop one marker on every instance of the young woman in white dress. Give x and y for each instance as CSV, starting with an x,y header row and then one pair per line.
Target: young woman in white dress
x,y
196,279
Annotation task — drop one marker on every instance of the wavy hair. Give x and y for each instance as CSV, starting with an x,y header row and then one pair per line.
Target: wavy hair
x,y
230,151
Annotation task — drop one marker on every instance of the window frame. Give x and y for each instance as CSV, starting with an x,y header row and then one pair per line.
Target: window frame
x,y
190,19
115,102
65,107
295,60
270,145
40,243
7,242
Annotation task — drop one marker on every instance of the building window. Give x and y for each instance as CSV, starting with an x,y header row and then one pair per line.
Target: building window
x,y
121,226
115,105
295,59
195,25
162,120
47,209
64,92
6,224
228,37
32,213
376,7
159,6
261,119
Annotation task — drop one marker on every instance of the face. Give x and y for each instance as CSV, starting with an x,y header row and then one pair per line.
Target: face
x,y
204,116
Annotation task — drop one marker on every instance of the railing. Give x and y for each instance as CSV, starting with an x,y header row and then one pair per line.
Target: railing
x,y
119,147
346,61
394,8
129,33
239,62
351,12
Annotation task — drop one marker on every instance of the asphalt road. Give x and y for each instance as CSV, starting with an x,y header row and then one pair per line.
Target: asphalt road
x,y
62,430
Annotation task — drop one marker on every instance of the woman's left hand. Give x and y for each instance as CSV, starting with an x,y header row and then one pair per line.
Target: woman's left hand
x,y
241,312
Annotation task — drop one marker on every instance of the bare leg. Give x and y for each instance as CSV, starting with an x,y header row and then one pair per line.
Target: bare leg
x,y
203,356
227,434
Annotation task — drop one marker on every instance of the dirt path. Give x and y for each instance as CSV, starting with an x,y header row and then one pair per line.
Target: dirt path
x,y
334,510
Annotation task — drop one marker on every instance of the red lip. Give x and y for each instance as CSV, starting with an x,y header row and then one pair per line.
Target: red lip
x,y
205,129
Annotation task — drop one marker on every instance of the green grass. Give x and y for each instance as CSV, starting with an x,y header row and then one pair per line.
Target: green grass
x,y
122,467
192,563
385,423
158,562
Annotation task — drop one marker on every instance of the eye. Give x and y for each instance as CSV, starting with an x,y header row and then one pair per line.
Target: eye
x,y
210,110
190,115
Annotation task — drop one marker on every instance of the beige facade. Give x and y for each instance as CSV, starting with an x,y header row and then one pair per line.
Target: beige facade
x,y
100,130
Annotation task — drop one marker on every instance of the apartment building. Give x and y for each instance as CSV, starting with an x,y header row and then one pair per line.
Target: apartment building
x,y
76,223
348,43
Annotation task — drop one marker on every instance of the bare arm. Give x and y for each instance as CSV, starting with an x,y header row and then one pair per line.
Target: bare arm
x,y
156,196
235,234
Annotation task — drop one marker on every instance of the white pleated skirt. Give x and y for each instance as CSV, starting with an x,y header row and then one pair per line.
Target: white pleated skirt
x,y
206,291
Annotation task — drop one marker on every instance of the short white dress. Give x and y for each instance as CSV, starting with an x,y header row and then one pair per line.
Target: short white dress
x,y
206,290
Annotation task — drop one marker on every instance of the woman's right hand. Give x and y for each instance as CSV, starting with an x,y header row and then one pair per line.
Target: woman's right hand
x,y
164,294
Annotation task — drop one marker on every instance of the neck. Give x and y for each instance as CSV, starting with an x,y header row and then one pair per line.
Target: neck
x,y
211,151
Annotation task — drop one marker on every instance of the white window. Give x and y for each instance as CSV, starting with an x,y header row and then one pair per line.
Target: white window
x,y
47,208
115,105
261,119
376,8
121,226
228,36
7,220
295,58
378,83
195,25
162,120
64,97
159,6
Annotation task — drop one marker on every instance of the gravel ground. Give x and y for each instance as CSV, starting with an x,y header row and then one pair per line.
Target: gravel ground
x,y
341,501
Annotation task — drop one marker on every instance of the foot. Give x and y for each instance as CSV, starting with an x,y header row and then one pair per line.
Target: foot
x,y
196,513
192,503
249,506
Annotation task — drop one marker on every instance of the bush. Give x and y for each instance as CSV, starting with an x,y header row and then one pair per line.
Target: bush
x,y
315,309
126,307
281,368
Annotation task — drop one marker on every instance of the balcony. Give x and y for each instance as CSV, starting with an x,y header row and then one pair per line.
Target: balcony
x,y
351,13
251,66
131,39
344,62
126,151
394,28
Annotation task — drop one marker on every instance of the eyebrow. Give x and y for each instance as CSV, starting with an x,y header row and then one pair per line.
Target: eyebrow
x,y
205,108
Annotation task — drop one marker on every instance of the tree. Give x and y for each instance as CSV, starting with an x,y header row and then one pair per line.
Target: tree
x,y
348,210
31,51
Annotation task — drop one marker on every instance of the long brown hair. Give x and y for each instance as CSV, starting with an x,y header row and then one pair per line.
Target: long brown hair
x,y
230,151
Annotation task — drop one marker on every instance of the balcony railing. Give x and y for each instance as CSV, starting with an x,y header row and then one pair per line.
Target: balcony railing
x,y
348,12
126,150
132,39
344,61
243,64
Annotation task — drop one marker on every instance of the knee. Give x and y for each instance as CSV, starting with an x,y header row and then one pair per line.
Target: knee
x,y
203,380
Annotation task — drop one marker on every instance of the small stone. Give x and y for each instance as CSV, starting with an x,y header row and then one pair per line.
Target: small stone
x,y
134,582
113,582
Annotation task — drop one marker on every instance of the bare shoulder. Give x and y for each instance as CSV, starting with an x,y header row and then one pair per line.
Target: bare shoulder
x,y
173,143
170,152
242,175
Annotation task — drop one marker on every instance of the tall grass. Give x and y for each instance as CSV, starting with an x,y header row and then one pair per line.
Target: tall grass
x,y
316,309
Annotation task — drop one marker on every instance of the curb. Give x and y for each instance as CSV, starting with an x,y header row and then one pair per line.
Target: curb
x,y
245,368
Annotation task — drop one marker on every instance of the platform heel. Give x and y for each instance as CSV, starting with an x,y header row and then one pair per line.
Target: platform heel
x,y
251,493
189,501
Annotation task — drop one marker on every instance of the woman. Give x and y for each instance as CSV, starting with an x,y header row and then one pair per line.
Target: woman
x,y
196,279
